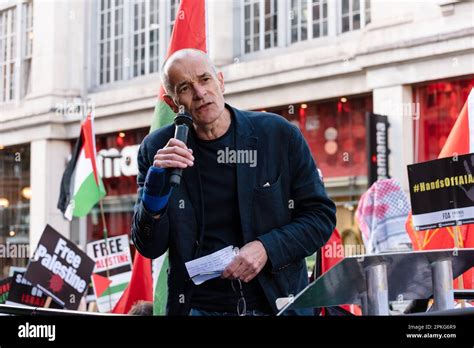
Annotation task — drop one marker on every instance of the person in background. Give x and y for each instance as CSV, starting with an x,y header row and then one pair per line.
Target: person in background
x,y
144,308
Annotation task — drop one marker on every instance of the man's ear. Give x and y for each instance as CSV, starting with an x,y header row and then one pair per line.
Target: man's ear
x,y
169,100
220,77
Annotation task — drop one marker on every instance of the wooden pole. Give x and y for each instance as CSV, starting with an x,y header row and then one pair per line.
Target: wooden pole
x,y
106,247
47,303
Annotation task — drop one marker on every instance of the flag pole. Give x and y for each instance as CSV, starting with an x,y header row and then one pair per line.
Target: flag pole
x,y
48,301
457,234
106,233
104,225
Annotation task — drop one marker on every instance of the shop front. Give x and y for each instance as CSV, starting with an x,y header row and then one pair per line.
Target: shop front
x,y
15,195
440,103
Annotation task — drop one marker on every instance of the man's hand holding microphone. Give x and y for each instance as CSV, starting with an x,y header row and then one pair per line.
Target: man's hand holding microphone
x,y
166,171
174,155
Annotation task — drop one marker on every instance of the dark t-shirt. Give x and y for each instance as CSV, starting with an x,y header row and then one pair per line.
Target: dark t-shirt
x,y
222,226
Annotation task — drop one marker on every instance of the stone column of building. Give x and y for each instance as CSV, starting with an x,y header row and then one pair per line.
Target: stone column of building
x,y
58,48
58,78
48,160
221,38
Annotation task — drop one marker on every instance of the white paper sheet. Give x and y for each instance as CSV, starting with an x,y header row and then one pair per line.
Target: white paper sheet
x,y
210,266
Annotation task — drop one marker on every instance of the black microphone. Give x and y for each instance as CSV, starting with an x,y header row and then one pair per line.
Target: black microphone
x,y
182,123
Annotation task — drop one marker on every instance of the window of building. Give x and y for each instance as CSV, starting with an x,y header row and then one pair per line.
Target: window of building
x,y
173,12
140,31
28,32
437,106
154,47
319,13
309,19
367,12
260,25
16,37
111,40
7,53
270,27
299,20
131,37
271,23
354,14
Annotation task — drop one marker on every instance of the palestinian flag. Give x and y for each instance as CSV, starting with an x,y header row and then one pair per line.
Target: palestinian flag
x,y
81,185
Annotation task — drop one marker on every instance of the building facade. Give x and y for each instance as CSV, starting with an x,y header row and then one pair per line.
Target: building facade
x,y
323,64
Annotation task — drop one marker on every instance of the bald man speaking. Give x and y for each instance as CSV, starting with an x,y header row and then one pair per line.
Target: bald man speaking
x,y
249,180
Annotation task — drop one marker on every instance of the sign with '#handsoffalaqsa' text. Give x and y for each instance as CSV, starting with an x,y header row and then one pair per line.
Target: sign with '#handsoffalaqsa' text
x,y
442,192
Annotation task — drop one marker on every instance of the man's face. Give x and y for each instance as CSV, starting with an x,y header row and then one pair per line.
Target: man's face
x,y
196,87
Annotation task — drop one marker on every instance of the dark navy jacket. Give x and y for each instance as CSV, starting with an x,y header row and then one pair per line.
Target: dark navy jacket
x,y
293,217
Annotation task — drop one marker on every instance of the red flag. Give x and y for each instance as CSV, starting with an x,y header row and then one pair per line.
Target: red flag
x,y
460,142
140,286
189,31
331,253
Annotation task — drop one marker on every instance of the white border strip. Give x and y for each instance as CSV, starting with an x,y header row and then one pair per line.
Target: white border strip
x,y
437,219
